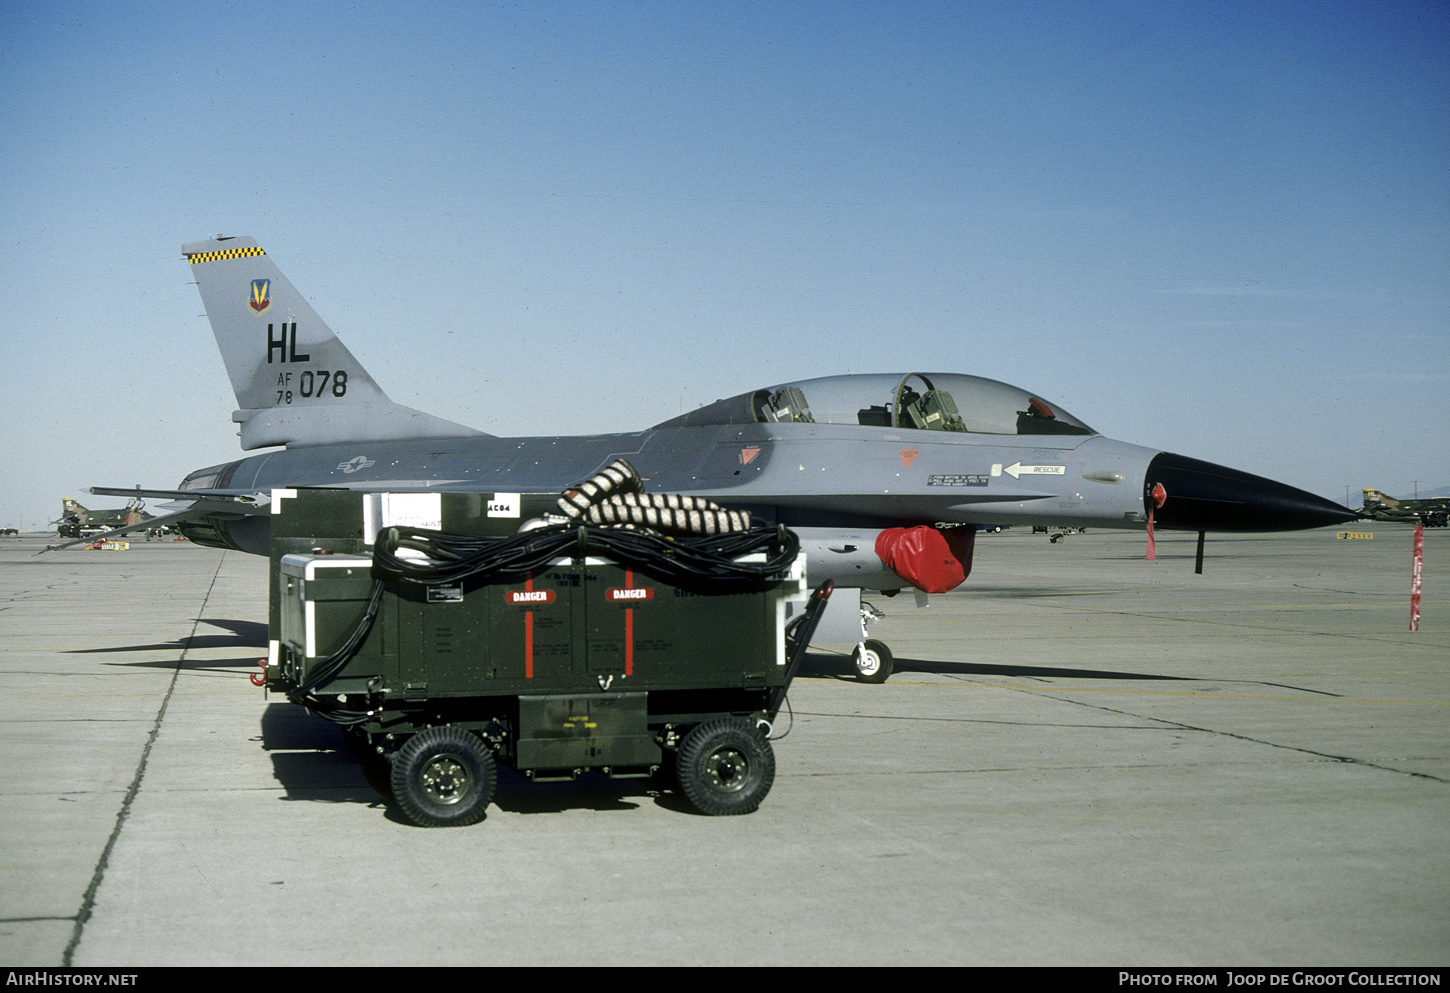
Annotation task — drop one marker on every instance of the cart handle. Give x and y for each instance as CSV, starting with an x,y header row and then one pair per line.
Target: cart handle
x,y
805,628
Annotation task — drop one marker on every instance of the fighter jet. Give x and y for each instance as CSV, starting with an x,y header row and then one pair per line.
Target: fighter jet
x,y
1431,513
883,476
76,521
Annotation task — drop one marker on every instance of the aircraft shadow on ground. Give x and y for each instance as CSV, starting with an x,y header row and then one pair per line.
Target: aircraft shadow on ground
x,y
816,666
840,667
239,635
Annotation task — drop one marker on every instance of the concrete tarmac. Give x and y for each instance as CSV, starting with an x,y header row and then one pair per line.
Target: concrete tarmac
x,y
1083,758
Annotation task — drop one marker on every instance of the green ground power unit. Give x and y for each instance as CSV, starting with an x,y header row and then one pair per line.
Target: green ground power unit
x,y
445,640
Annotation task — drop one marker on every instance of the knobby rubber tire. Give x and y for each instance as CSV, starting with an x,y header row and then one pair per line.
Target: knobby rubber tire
x,y
725,767
444,777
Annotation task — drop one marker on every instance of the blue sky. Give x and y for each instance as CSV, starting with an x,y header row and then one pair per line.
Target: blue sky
x,y
1222,229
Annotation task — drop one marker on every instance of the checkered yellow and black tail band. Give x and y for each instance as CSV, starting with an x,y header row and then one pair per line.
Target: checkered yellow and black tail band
x,y
229,253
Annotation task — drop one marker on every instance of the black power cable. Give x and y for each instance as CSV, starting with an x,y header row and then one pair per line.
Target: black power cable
x,y
692,561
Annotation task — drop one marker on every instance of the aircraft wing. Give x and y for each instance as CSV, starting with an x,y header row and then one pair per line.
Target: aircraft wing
x,y
202,503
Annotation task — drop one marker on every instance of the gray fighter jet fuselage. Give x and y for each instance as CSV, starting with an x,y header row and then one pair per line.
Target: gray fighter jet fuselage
x,y
839,458
809,475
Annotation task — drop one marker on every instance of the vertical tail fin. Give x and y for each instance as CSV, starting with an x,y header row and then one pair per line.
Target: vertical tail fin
x,y
296,383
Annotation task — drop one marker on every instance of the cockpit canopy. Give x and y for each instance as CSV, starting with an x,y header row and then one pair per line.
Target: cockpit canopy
x,y
916,401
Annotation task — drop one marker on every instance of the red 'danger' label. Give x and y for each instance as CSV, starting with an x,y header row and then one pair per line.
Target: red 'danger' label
x,y
529,598
618,594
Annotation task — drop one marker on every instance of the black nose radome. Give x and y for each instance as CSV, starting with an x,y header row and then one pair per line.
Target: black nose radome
x,y
1193,495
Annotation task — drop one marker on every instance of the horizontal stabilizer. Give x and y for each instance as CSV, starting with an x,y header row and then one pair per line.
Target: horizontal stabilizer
x,y
245,501
298,427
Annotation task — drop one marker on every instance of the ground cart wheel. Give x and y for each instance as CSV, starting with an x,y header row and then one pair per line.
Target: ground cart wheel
x,y
725,767
444,777
873,664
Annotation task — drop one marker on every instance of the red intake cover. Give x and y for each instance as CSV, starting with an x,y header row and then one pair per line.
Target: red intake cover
x,y
934,560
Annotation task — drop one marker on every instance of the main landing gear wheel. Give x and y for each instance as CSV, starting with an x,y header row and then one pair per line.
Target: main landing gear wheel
x,y
873,661
725,767
444,777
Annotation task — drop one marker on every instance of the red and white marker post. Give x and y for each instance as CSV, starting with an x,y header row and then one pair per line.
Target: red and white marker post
x,y
1416,572
1158,495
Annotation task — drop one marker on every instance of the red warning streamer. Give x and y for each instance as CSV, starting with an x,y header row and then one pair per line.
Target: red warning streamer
x,y
628,628
529,631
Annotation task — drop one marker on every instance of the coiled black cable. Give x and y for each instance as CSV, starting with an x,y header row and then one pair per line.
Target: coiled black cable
x,y
693,561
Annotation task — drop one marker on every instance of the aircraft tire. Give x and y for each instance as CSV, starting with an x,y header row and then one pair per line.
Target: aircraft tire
x,y
444,777
875,664
725,767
